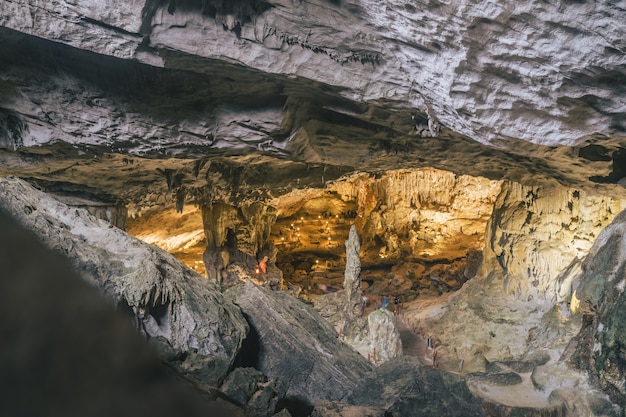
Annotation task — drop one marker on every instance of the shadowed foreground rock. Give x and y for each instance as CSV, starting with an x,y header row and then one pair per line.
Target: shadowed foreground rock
x,y
65,352
405,387
295,343
168,299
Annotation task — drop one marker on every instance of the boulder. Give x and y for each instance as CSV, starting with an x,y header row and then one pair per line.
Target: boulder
x,y
384,334
404,387
161,295
298,345
251,389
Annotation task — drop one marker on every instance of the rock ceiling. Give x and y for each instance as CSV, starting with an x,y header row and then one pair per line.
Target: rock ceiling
x,y
131,99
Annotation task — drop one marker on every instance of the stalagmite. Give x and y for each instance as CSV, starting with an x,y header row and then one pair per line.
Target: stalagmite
x,y
352,283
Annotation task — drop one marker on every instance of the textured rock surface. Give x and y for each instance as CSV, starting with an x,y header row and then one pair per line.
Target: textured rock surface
x,y
65,351
252,390
405,387
353,303
602,341
297,345
550,69
384,335
171,300
536,233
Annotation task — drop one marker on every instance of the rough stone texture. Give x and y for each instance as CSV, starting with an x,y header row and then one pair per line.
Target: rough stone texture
x,y
66,352
549,69
334,409
252,390
384,335
536,233
405,387
425,214
171,300
602,342
296,344
353,307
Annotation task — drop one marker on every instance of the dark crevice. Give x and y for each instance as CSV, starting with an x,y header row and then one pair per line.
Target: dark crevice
x,y
248,356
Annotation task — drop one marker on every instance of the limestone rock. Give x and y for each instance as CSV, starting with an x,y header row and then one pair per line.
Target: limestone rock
x,y
537,232
603,306
169,299
403,386
353,307
384,335
296,344
542,57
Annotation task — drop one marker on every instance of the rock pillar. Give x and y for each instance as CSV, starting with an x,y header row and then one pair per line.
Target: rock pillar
x,y
352,283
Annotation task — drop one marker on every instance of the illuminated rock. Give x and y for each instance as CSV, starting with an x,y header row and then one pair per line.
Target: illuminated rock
x,y
384,335
171,300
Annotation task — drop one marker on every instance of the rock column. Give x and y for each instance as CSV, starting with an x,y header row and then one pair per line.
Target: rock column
x,y
352,283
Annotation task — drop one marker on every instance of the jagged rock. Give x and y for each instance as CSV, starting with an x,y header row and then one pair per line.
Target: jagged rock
x,y
169,299
384,335
241,383
335,409
501,378
441,71
296,344
404,387
602,340
353,307
66,351
208,369
537,232
252,390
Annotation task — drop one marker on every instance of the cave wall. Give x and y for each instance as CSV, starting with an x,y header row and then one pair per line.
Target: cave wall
x,y
426,214
249,225
537,232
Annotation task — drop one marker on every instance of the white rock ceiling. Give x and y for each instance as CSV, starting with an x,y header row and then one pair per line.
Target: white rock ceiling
x,y
342,83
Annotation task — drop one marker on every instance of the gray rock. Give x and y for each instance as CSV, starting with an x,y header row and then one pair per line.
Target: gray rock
x,y
602,338
252,390
168,299
353,307
384,335
210,370
296,344
335,409
241,383
405,387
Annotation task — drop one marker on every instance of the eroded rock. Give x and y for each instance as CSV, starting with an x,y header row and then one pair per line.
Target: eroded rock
x,y
166,298
297,345
403,386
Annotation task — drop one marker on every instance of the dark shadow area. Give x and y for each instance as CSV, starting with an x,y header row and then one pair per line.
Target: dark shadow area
x,y
248,356
66,352
297,407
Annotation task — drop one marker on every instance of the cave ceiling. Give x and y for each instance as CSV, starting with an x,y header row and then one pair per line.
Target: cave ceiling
x,y
128,101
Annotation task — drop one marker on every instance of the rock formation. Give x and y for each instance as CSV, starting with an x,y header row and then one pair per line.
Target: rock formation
x,y
166,298
383,335
601,341
353,302
404,387
65,350
291,341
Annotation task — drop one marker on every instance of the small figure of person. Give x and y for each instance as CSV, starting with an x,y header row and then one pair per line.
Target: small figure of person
x,y
263,265
396,305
